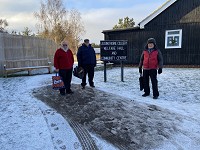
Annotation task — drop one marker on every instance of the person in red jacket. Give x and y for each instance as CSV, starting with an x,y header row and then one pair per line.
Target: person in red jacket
x,y
63,62
151,60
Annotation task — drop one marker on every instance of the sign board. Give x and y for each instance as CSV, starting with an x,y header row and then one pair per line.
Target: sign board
x,y
114,50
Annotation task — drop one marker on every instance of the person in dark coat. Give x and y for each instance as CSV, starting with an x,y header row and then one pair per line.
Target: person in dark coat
x,y
87,60
63,62
151,60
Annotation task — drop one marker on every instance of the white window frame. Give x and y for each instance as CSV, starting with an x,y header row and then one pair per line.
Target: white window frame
x,y
173,35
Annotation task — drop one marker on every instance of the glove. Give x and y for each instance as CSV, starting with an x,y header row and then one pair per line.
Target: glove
x,y
140,70
159,70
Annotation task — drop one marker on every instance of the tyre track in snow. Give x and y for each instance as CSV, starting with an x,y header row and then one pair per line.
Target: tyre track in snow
x,y
82,133
84,137
87,142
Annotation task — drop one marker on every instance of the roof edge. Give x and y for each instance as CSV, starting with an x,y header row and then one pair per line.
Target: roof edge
x,y
117,30
156,13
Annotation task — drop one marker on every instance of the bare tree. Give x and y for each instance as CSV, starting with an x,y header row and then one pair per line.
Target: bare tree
x,y
51,13
75,28
3,25
56,23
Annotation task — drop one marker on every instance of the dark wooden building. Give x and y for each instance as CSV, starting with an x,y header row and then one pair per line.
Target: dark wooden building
x,y
176,28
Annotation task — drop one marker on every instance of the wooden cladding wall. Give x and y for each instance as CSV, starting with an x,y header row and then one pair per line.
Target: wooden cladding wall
x,y
182,11
182,14
189,54
15,47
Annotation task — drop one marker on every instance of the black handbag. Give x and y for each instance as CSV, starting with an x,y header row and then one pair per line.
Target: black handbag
x,y
78,72
141,81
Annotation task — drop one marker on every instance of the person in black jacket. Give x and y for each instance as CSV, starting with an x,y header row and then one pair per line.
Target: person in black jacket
x,y
87,60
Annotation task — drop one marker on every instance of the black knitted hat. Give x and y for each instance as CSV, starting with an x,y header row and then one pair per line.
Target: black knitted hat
x,y
151,40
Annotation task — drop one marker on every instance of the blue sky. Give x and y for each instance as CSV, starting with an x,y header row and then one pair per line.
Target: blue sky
x,y
87,4
96,15
81,4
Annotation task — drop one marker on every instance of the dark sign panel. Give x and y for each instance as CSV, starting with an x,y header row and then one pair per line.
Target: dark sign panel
x,y
114,50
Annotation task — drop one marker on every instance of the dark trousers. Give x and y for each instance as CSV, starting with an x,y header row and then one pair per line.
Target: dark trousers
x,y
153,75
88,69
66,75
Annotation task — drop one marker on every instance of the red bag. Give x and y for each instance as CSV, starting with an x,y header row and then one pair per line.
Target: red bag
x,y
57,82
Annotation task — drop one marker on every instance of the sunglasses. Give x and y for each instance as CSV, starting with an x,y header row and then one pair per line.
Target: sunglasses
x,y
64,44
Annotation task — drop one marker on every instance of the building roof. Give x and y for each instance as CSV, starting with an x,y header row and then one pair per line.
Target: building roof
x,y
117,30
156,13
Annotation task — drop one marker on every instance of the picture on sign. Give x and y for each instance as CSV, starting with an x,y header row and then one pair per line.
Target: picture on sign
x,y
114,50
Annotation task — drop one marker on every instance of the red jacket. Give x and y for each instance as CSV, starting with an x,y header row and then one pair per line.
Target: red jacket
x,y
150,60
63,60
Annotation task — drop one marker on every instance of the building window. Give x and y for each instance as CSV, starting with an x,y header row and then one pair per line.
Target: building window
x,y
173,38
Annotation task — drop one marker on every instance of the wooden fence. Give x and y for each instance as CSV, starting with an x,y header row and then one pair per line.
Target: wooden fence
x,y
16,47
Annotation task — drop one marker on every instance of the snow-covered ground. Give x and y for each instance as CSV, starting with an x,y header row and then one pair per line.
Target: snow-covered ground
x,y
28,124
